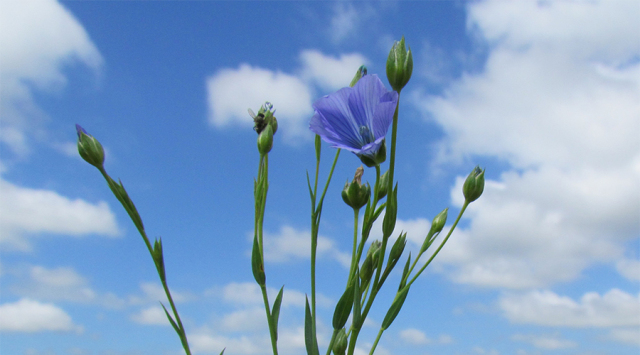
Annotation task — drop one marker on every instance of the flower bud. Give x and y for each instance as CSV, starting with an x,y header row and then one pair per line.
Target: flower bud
x,y
264,118
436,227
355,194
389,221
474,185
340,343
399,65
383,185
89,148
377,159
265,140
362,71
397,249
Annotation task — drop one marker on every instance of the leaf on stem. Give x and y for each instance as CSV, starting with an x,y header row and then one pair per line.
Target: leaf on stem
x,y
275,311
257,267
405,273
310,340
343,308
395,308
173,323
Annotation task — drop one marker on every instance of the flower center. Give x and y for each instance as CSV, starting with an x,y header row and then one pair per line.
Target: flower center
x,y
366,135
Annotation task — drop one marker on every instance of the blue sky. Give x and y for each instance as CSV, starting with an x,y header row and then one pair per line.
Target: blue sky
x,y
545,95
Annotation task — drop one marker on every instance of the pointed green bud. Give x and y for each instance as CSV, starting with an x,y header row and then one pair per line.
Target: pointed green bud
x,y
355,194
436,227
318,143
389,221
265,140
399,65
474,185
383,185
397,249
264,118
379,157
340,343
89,148
362,71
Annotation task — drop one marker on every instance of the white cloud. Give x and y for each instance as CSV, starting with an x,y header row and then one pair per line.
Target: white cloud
x,y
613,309
31,316
38,39
558,100
328,72
629,268
545,341
345,21
213,344
25,211
61,284
151,316
230,92
290,244
154,293
414,336
626,335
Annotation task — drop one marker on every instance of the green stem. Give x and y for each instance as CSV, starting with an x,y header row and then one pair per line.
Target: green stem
x,y
375,343
315,228
464,207
137,221
333,339
352,270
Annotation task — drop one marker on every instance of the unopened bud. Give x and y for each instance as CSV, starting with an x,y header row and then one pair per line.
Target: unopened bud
x,y
362,71
89,148
355,194
474,185
399,65
340,343
265,140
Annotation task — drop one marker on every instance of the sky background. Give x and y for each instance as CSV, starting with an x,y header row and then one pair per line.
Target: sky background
x,y
545,95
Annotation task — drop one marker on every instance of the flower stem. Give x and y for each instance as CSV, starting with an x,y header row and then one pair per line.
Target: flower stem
x,y
316,212
375,343
464,207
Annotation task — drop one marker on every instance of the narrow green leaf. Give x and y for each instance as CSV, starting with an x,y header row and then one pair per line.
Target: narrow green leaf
x,y
395,308
275,311
405,276
257,267
356,300
173,323
222,352
309,338
343,308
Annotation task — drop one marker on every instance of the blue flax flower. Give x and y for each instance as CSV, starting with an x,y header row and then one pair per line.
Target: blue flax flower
x,y
356,119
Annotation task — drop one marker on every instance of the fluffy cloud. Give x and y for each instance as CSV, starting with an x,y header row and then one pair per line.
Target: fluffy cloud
x,y
31,316
290,243
151,316
545,341
61,284
231,91
25,211
558,100
38,39
629,269
414,336
613,309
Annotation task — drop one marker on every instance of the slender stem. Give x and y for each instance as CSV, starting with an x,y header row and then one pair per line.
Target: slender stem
x,y
333,339
354,262
316,212
375,343
464,207
352,340
263,179
272,330
392,155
